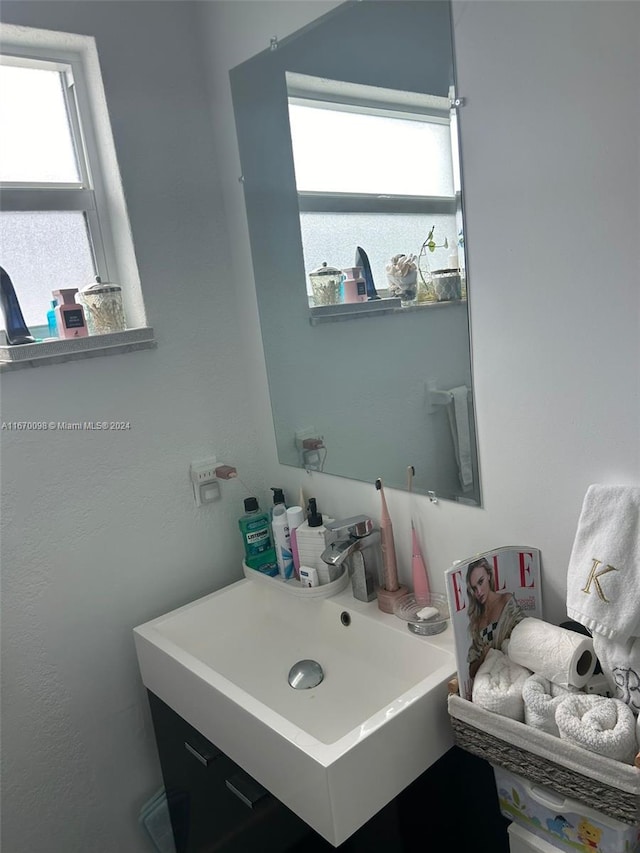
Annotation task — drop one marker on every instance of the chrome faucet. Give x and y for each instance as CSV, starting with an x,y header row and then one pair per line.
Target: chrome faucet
x,y
360,550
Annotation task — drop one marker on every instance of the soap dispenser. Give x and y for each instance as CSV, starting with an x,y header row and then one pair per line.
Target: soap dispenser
x,y
278,498
312,538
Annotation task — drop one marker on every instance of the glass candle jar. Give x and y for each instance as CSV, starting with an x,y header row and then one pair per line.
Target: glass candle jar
x,y
325,285
103,303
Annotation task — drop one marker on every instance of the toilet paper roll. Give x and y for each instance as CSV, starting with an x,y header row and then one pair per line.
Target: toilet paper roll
x,y
562,656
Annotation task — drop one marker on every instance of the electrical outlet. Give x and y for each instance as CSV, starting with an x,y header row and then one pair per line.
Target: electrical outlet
x,y
203,471
206,488
302,435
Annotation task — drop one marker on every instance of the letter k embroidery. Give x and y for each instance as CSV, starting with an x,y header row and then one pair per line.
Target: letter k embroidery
x,y
593,579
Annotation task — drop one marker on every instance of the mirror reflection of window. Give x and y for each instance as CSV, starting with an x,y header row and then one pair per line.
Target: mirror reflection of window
x,y
336,150
374,168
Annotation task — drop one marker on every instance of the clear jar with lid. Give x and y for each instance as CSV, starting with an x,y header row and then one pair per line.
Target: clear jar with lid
x,y
326,282
104,309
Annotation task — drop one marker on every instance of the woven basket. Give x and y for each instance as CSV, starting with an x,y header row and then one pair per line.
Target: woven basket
x,y
608,799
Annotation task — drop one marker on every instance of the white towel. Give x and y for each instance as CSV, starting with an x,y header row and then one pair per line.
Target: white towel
x,y
541,697
498,684
604,726
621,667
603,580
458,413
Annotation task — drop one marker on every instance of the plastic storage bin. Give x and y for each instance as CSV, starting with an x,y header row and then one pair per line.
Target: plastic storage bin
x,y
523,841
564,823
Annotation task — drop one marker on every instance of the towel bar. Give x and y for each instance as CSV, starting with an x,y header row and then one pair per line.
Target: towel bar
x,y
437,397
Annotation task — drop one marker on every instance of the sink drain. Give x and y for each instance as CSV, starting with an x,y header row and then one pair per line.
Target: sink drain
x,y
305,674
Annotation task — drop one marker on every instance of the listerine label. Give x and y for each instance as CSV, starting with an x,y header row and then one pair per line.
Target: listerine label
x,y
257,536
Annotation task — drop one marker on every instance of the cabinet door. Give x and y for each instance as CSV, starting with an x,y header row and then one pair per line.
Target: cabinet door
x,y
214,805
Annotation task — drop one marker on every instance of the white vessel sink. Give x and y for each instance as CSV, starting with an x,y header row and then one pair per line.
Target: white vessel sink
x,y
334,754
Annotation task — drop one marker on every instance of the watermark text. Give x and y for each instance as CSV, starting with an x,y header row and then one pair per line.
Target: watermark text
x,y
65,426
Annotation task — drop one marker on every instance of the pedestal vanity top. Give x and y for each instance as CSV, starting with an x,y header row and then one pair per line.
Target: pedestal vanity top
x,y
336,753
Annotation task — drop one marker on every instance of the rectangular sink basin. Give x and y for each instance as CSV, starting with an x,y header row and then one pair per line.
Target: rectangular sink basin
x,y
335,754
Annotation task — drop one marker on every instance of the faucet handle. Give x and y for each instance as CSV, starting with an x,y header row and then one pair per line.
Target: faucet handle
x,y
358,526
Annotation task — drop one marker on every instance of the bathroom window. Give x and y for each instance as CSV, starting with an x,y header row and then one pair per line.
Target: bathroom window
x,y
374,168
63,219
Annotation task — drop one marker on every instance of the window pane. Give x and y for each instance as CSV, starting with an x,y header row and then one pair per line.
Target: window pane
x,y
35,137
336,151
333,237
44,252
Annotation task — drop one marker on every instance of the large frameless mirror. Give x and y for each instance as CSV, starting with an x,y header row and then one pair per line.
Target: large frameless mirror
x,y
348,139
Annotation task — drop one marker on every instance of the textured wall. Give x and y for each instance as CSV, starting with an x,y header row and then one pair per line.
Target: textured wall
x,y
100,531
550,157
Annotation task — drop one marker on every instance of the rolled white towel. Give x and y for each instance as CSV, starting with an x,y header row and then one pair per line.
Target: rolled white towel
x,y
541,697
498,684
601,725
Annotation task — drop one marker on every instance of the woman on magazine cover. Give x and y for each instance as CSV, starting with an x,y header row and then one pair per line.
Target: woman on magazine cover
x,y
492,615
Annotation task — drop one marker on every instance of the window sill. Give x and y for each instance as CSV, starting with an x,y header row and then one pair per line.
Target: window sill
x,y
58,351
340,312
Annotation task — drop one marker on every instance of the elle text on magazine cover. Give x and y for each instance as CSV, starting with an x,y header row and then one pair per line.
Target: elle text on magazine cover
x,y
488,595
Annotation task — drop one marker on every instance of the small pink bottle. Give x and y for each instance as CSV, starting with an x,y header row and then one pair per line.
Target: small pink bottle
x,y
354,286
70,318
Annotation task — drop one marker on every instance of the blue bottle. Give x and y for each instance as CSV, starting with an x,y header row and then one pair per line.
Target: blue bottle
x,y
51,319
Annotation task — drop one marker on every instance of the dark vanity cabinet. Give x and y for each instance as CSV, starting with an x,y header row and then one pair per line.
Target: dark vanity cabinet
x,y
214,805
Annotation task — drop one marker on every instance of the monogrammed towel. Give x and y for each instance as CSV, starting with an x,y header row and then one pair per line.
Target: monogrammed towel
x,y
603,580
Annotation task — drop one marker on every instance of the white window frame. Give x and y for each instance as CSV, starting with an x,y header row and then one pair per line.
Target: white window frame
x,y
99,192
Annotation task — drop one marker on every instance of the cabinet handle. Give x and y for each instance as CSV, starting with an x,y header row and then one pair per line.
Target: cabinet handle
x,y
246,789
204,756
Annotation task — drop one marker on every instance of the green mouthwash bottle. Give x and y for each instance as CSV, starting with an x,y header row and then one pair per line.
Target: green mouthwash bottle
x,y
255,527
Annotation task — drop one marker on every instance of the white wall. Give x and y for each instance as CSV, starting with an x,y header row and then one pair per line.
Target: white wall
x,y
99,530
550,157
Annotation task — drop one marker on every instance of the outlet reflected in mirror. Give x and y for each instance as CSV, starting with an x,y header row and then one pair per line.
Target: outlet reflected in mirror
x,y
349,152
